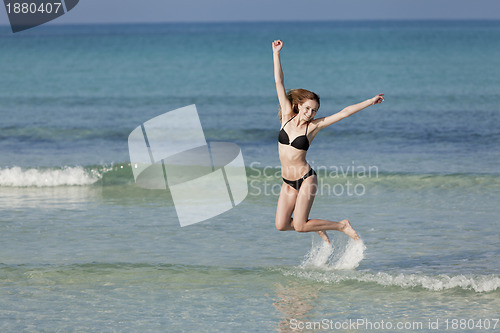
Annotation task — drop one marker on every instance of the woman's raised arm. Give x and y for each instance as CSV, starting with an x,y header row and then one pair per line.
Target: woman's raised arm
x,y
349,111
285,105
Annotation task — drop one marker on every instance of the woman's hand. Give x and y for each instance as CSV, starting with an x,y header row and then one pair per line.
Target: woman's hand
x,y
277,46
378,99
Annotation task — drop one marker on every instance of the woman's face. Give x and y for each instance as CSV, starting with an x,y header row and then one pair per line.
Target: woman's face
x,y
308,109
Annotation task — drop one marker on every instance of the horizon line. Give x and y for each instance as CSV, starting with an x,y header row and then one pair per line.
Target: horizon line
x,y
274,21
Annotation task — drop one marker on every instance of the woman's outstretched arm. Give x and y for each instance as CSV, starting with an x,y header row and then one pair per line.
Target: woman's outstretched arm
x,y
349,111
285,105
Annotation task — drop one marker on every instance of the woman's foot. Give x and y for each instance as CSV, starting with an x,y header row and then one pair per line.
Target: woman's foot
x,y
348,230
324,235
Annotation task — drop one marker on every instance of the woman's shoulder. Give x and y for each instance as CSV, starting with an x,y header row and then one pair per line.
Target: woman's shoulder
x,y
314,125
316,121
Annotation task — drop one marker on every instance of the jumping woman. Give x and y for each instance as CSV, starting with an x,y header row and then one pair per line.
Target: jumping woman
x,y
298,129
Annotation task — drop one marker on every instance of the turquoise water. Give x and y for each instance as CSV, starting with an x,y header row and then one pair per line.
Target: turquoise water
x,y
85,249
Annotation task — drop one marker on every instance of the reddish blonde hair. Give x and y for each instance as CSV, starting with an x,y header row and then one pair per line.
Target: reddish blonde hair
x,y
299,96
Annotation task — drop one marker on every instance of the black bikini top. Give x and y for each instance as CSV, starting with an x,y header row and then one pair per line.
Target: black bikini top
x,y
300,142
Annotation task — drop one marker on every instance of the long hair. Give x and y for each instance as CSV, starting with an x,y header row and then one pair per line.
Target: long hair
x,y
298,96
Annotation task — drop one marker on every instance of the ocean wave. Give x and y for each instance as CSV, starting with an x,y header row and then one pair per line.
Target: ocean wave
x,y
476,283
258,177
330,275
49,177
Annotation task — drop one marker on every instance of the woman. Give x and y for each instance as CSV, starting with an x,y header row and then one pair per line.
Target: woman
x,y
298,128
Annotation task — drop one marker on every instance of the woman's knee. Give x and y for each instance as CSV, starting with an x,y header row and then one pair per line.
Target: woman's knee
x,y
282,225
300,226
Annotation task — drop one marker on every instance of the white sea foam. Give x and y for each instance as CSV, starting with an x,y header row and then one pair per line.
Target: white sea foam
x,y
18,177
477,283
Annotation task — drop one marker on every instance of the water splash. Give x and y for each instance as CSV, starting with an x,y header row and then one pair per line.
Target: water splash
x,y
325,256
351,256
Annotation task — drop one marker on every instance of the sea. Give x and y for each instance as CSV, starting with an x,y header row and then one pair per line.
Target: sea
x,y
84,249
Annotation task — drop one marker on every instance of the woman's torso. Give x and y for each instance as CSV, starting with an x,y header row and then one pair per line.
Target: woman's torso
x,y
292,152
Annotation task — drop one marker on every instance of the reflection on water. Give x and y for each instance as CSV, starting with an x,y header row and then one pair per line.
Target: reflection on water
x,y
294,302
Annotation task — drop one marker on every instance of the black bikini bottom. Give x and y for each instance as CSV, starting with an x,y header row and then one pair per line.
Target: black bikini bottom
x,y
296,184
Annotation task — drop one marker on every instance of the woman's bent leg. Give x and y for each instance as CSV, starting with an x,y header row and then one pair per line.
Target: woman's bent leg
x,y
304,201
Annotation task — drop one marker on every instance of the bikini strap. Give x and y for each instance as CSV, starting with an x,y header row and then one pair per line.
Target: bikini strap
x,y
288,121
307,128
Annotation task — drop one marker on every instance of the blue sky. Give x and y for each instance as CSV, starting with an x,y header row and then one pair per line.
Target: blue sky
x,y
125,11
